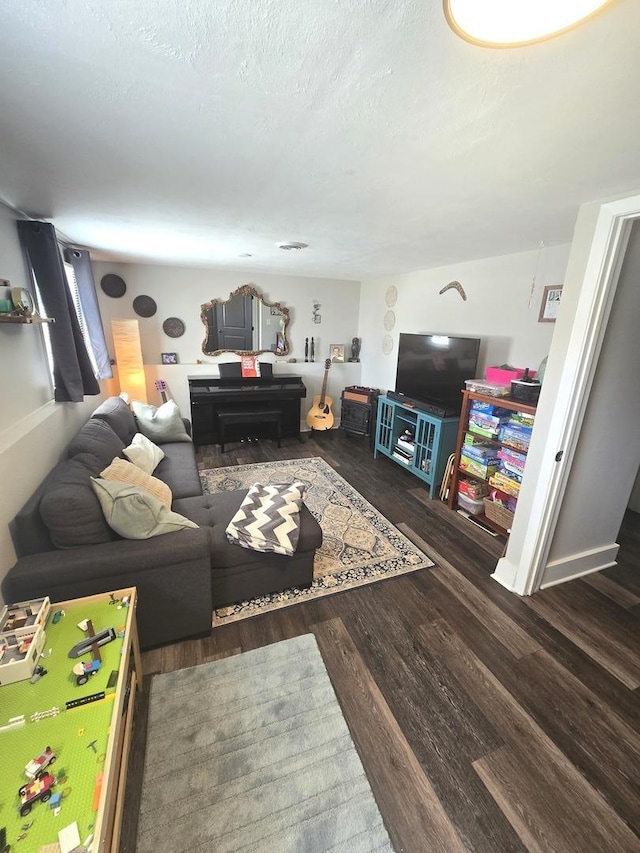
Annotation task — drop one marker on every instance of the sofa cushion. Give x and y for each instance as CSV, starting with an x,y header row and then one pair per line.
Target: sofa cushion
x,y
121,471
119,416
216,511
134,513
69,507
268,518
144,453
179,471
160,424
97,437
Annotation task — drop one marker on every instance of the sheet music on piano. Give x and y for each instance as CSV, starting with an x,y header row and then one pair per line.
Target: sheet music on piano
x,y
249,366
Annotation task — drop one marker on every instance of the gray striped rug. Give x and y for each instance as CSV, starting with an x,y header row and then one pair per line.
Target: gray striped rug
x,y
252,753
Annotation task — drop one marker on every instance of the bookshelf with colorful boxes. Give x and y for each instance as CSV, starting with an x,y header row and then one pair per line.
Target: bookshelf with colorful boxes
x,y
491,452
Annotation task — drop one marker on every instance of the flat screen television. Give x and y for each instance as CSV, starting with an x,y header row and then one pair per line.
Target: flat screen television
x,y
432,369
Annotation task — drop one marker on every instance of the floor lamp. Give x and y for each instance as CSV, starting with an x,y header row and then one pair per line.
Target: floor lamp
x,y
126,340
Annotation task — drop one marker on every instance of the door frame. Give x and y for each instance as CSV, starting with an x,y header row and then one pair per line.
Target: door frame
x,y
597,253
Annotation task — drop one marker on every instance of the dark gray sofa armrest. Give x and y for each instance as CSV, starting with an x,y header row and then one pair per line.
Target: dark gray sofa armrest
x,y
187,425
172,574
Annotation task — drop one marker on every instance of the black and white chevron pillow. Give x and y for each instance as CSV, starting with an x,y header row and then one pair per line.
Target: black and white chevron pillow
x,y
269,518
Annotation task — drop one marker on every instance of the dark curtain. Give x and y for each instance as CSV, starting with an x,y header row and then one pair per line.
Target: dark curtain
x,y
81,263
73,375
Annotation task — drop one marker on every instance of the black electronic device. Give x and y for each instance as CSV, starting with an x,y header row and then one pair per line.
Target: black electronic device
x,y
432,370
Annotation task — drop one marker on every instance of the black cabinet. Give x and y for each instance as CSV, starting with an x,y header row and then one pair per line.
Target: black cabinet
x,y
358,411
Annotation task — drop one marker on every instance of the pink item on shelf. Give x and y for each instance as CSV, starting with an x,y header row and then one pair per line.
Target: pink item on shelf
x,y
503,376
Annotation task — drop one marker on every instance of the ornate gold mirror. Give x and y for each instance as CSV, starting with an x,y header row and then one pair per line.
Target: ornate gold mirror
x,y
245,323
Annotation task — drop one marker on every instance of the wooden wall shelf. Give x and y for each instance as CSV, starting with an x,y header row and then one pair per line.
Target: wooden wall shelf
x,y
20,319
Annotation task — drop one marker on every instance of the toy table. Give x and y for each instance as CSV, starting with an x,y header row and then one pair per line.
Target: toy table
x,y
88,727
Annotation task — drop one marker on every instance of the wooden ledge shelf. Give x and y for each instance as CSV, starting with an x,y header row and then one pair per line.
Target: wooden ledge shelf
x,y
22,320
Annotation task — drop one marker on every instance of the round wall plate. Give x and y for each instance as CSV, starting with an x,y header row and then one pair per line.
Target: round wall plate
x,y
113,285
389,320
144,306
391,296
387,345
173,327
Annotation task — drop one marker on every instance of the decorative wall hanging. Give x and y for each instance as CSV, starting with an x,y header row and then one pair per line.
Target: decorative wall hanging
x,y
387,345
144,306
389,320
173,327
169,357
316,316
454,285
550,304
113,285
391,296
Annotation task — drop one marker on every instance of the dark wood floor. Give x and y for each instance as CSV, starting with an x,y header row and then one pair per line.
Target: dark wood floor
x,y
486,722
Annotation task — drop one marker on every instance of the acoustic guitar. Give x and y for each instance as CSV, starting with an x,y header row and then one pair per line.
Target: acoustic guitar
x,y
319,415
161,386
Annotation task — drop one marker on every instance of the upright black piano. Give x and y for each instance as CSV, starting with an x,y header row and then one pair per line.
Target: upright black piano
x,y
210,395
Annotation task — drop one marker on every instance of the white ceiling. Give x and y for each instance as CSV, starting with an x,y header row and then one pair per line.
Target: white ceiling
x,y
191,131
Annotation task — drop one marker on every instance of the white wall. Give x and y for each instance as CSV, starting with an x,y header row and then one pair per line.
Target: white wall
x,y
180,291
33,429
24,386
607,455
497,310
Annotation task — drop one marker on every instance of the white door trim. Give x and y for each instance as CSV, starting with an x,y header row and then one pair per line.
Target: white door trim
x,y
527,552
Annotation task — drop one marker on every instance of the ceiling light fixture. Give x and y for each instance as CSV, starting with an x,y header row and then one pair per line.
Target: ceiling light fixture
x,y
291,244
505,23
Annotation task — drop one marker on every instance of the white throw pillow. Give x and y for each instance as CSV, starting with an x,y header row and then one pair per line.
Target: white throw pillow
x,y
134,513
144,453
161,424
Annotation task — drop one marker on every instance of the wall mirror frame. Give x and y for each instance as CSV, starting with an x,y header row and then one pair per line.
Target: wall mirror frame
x,y
245,323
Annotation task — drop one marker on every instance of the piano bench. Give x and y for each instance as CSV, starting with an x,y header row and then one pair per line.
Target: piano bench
x,y
248,416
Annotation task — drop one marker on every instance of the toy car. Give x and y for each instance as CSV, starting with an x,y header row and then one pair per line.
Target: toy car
x,y
84,670
39,789
35,767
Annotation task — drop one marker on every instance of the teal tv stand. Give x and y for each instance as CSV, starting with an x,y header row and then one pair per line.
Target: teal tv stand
x,y
434,439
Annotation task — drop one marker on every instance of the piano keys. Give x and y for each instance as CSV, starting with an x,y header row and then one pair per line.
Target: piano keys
x,y
211,395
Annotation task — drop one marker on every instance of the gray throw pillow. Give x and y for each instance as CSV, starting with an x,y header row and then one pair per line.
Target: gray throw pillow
x,y
135,513
269,518
161,424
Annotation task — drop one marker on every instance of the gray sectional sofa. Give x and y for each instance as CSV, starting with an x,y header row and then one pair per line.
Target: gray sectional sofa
x,y
66,550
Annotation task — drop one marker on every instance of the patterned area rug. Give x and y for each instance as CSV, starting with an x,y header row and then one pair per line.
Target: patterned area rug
x,y
359,545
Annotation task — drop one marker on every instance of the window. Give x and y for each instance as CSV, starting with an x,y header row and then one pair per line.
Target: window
x,y
75,294
72,284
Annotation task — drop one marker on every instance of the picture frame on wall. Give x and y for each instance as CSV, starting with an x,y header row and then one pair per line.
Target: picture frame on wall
x,y
169,357
336,352
550,303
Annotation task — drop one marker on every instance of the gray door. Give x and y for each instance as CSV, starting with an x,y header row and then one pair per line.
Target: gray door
x,y
230,324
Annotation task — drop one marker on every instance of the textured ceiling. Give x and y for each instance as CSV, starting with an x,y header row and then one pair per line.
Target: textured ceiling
x,y
190,132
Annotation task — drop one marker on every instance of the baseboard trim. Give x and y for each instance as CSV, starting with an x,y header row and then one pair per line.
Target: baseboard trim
x,y
579,565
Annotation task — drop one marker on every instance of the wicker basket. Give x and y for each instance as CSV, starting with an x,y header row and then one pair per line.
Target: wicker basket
x,y
498,514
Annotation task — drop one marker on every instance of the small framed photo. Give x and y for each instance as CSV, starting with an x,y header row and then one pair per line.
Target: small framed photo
x,y
169,357
336,352
550,304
